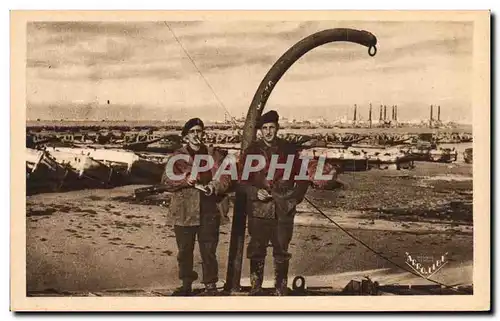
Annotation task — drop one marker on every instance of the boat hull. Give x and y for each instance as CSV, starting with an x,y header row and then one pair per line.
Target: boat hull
x,y
46,175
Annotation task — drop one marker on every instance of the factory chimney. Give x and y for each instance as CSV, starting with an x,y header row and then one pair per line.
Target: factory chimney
x,y
431,118
439,113
370,115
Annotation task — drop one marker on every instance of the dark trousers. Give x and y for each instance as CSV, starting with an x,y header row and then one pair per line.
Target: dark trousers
x,y
262,231
208,238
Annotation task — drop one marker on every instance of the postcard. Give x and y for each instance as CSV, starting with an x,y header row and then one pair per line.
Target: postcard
x,y
250,161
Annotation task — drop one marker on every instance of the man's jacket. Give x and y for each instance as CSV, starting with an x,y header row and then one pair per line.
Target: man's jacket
x,y
188,203
286,194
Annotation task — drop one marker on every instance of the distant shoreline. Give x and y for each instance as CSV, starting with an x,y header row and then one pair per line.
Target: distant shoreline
x,y
286,127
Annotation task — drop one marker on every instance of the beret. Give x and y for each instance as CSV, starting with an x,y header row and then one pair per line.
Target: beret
x,y
269,117
190,124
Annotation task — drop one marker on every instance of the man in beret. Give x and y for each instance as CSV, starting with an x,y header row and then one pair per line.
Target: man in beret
x,y
271,205
196,213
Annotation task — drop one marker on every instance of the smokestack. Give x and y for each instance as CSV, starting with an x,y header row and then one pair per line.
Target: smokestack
x,y
380,119
370,115
355,111
432,109
396,113
439,113
431,118
392,113
385,112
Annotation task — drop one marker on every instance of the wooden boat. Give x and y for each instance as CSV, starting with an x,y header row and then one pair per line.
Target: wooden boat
x,y
128,167
140,145
44,173
468,156
85,166
389,158
162,146
107,156
348,160
33,158
159,158
154,143
145,172
443,155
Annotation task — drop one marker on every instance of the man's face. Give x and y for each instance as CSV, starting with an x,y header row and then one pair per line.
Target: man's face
x,y
269,132
194,136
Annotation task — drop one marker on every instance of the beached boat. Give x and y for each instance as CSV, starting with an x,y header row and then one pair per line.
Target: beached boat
x,y
33,158
44,173
128,167
107,156
388,158
349,160
433,153
468,155
141,145
159,158
85,166
444,155
152,142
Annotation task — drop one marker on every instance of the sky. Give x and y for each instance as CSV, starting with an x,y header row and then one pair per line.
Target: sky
x,y
137,70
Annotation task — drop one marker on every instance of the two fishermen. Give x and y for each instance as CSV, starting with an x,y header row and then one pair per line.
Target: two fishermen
x,y
271,206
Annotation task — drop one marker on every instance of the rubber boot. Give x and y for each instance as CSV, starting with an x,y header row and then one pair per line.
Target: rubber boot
x,y
281,278
184,290
210,290
256,277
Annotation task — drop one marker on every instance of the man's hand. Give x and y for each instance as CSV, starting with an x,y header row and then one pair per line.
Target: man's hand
x,y
190,181
209,190
263,195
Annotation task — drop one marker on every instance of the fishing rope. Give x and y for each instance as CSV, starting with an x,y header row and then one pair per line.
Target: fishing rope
x,y
201,74
378,253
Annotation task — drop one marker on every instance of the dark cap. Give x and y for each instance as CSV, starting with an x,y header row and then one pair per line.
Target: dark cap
x,y
269,117
190,124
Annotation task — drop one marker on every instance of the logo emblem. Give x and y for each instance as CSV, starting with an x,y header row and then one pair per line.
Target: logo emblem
x,y
429,267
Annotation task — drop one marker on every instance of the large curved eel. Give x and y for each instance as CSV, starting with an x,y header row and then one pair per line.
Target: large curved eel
x,y
259,101
288,59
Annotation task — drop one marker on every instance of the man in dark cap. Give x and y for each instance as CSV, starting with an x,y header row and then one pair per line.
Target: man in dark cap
x,y
188,126
195,208
271,204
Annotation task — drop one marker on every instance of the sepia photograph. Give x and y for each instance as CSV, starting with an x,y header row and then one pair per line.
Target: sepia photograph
x,y
174,157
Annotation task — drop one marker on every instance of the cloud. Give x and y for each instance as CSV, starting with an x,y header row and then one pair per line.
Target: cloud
x,y
244,32
345,52
71,41
90,28
400,68
111,72
141,63
107,45
452,46
208,58
39,63
350,70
